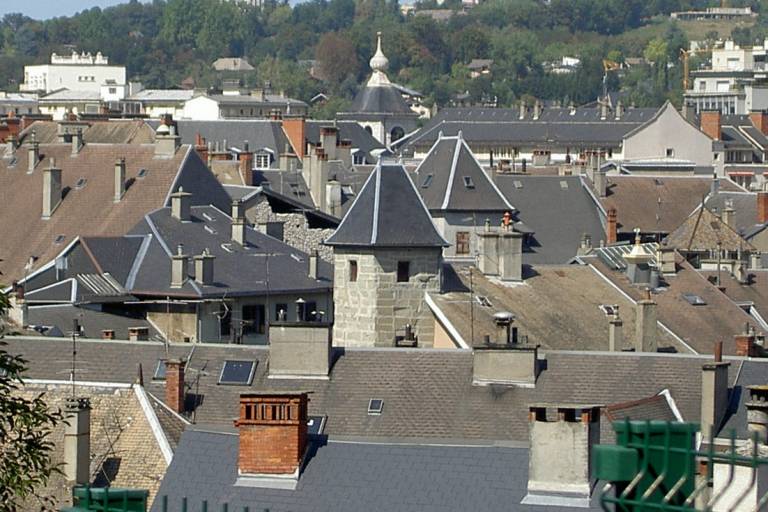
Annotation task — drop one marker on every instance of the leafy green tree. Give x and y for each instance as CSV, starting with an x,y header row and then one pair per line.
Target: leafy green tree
x,y
26,426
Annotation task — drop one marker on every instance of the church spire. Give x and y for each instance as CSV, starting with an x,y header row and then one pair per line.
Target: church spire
x,y
379,61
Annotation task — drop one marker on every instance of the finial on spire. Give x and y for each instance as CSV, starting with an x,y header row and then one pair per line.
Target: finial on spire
x,y
379,62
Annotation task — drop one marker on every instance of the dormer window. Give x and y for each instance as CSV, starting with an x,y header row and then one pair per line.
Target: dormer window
x,y
262,160
427,181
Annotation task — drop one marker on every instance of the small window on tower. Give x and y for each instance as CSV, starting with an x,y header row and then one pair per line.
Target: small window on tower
x,y
353,271
670,152
403,271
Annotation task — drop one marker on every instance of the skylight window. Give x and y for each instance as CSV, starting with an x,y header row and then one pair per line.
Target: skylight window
x,y
210,229
315,425
518,184
608,309
142,173
159,370
694,300
237,373
468,182
208,217
59,239
563,184
81,183
427,181
375,406
483,301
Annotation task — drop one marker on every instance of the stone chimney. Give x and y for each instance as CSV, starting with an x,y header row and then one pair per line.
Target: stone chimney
x,y
174,384
77,441
119,179
51,189
755,261
296,131
759,120
615,331
34,152
328,140
762,207
179,266
619,110
299,350
536,110
488,261
523,109
314,259
728,212
711,123
611,226
318,176
560,461
603,108
77,141
180,205
601,182
204,268
166,139
11,143
757,412
745,342
333,198
238,223
344,152
645,324
714,393
273,437
505,364
510,254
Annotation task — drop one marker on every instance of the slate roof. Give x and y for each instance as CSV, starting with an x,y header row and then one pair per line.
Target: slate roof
x,y
451,179
427,393
259,133
380,99
704,231
280,203
90,210
288,184
744,206
344,476
388,212
268,99
348,130
755,292
576,322
559,209
699,326
94,132
655,407
92,321
657,204
66,95
752,373
503,127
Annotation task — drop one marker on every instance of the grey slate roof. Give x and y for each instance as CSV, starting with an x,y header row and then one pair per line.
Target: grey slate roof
x,y
388,212
559,209
427,393
286,183
442,180
753,373
502,126
348,130
343,476
744,210
92,321
380,99
259,133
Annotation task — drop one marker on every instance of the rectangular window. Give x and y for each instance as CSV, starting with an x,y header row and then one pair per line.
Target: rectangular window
x,y
462,242
281,312
225,321
253,319
403,271
113,90
670,152
275,230
262,160
353,271
310,312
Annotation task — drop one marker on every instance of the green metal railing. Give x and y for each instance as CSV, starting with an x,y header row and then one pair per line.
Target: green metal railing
x,y
107,499
655,466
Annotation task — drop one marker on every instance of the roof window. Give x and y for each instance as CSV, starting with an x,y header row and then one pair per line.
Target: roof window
x,y
427,181
518,184
159,370
59,239
142,173
694,300
237,373
375,406
468,182
81,183
563,184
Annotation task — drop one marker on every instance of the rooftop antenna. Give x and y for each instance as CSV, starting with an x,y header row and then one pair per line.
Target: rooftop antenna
x,y
75,334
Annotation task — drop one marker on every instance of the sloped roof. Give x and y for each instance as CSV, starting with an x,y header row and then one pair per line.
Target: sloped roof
x,y
92,321
744,206
705,231
380,99
90,210
232,64
348,130
97,132
451,178
388,212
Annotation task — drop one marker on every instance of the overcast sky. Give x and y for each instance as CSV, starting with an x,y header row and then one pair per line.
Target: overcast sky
x,y
43,9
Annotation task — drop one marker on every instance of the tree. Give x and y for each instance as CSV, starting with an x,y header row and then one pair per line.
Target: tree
x,y
26,426
336,58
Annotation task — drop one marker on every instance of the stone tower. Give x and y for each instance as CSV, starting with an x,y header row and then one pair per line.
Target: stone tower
x,y
387,256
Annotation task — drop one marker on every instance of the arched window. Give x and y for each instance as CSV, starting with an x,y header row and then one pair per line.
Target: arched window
x,y
397,133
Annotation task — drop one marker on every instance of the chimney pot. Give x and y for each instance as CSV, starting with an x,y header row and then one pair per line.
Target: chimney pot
x,y
108,334
238,223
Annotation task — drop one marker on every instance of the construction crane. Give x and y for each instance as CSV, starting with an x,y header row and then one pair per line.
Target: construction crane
x,y
684,56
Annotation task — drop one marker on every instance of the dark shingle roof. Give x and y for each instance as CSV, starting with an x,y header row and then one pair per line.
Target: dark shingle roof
x,y
344,476
704,231
442,180
559,210
388,212
380,99
92,321
744,206
348,130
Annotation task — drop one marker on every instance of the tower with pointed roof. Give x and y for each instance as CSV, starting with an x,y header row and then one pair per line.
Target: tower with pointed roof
x,y
379,106
387,257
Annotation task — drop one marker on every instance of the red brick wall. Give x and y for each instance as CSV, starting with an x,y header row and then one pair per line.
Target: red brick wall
x,y
271,449
611,227
710,124
295,130
745,345
174,385
762,207
759,121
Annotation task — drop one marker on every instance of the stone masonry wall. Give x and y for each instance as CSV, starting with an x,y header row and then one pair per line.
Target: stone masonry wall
x,y
296,230
370,311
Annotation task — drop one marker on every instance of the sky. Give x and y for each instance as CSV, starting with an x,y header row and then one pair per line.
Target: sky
x,y
44,9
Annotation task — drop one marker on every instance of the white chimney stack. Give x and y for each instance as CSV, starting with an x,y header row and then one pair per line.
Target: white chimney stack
x,y
51,189
77,441
119,179
180,205
179,264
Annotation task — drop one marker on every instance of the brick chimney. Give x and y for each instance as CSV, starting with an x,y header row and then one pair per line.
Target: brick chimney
x,y
180,205
714,393
77,441
645,324
611,228
273,434
246,164
745,342
201,147
296,130
559,465
174,384
762,207
711,123
204,268
51,189
119,179
759,120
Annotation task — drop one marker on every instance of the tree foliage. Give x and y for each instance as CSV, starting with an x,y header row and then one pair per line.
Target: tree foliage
x,y
25,437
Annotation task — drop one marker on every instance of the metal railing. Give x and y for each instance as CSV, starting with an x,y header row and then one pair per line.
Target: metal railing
x,y
655,466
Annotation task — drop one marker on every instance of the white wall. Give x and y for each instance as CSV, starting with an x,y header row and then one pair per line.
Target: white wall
x,y
50,77
201,108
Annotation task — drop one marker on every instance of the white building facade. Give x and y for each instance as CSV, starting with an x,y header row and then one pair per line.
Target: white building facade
x,y
77,72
